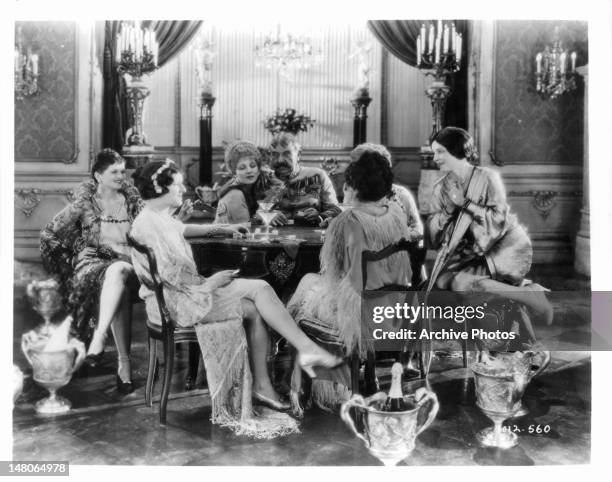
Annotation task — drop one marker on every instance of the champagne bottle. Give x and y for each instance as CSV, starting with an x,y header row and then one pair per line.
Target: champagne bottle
x,y
395,400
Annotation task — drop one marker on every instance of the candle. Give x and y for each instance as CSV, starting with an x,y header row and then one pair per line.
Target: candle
x,y
34,59
418,51
17,60
562,59
539,63
430,47
459,44
453,37
423,37
437,57
439,32
573,56
445,39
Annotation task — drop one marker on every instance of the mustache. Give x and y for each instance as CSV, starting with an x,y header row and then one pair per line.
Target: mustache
x,y
282,164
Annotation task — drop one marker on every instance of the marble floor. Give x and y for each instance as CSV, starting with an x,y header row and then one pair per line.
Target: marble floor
x,y
105,428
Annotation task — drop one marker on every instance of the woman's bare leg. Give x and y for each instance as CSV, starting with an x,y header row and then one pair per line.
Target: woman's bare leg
x,y
111,296
259,344
122,333
278,318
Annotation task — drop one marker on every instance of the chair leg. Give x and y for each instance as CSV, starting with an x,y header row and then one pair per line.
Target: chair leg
x,y
370,374
193,362
355,362
168,368
151,372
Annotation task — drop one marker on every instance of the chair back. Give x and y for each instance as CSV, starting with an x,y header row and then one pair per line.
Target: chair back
x,y
158,287
416,254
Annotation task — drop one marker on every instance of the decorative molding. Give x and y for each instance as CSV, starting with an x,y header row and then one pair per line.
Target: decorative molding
x,y
28,199
384,97
544,201
177,104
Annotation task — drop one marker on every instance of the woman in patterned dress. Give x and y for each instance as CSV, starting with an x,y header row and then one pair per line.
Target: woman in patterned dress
x,y
85,245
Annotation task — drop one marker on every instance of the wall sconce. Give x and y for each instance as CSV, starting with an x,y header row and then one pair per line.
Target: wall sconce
x,y
26,69
555,69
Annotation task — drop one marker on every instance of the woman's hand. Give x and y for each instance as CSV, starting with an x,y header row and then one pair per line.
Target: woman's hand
x,y
221,279
232,229
186,211
84,257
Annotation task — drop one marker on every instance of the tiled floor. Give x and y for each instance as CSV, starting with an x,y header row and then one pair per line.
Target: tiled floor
x,y
105,428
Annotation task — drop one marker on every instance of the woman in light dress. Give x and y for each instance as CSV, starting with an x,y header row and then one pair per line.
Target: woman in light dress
x,y
216,307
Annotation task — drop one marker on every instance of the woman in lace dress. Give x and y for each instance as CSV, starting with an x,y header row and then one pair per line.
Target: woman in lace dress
x,y
330,302
85,245
216,307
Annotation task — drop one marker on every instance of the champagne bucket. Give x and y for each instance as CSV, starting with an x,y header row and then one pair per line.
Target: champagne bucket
x,y
499,394
390,436
53,370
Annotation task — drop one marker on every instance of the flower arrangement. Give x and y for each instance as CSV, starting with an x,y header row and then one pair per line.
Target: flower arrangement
x,y
288,121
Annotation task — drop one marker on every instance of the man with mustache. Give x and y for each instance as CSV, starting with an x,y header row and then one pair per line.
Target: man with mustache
x,y
309,197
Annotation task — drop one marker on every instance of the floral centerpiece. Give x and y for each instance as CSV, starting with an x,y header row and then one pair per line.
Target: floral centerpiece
x,y
288,121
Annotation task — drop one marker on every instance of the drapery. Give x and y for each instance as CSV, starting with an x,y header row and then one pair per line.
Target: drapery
x,y
399,38
172,36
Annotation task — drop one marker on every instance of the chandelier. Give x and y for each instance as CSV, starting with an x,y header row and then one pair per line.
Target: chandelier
x,y
137,50
555,69
286,53
26,69
438,54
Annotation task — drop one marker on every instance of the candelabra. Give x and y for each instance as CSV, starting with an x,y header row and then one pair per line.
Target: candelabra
x,y
555,69
26,69
136,55
286,53
438,55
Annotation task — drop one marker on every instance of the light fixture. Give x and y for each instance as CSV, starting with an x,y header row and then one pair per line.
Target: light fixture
x,y
136,54
286,53
555,69
26,69
438,54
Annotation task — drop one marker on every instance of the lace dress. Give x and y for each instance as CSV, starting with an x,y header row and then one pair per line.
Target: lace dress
x,y
215,313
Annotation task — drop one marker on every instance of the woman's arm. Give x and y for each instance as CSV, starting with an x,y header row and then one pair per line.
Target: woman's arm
x,y
490,213
438,222
57,241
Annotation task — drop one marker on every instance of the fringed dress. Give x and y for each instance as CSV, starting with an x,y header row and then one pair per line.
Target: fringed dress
x,y
330,302
216,314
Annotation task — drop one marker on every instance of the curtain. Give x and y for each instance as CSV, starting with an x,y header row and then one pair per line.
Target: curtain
x,y
172,37
399,38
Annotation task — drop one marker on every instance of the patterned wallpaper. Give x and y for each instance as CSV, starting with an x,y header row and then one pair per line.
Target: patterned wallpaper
x,y
45,123
528,128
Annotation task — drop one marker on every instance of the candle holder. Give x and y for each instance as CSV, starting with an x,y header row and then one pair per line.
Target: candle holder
x,y
26,69
555,69
137,52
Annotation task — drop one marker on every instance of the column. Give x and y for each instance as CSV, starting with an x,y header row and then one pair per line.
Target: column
x,y
582,261
206,173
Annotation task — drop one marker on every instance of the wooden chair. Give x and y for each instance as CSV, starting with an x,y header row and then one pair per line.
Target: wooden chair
x,y
169,333
416,253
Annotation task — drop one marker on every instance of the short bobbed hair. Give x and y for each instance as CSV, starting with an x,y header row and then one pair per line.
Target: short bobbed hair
x,y
458,142
238,150
358,151
152,180
370,176
103,160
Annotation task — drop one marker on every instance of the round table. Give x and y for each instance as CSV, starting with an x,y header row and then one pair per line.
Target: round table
x,y
279,261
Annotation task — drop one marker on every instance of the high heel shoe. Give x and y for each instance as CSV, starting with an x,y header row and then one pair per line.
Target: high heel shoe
x,y
92,360
98,340
124,388
309,360
273,404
